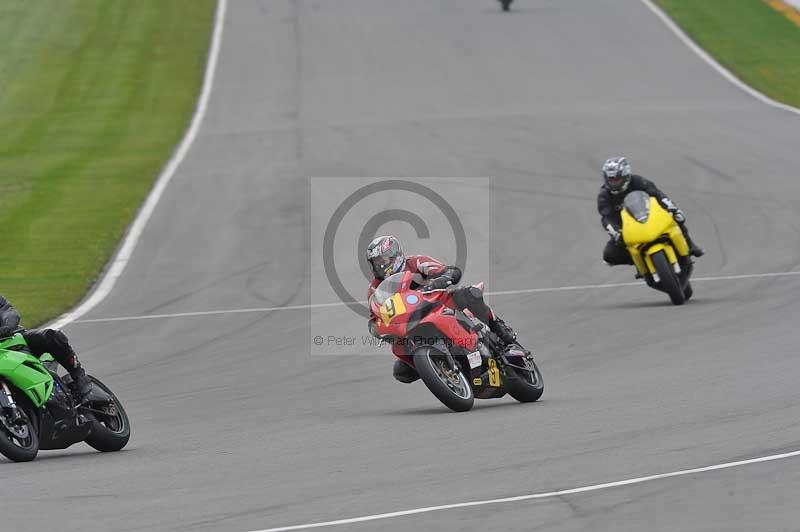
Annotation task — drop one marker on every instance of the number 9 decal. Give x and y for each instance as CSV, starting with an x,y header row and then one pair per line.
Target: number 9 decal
x,y
392,308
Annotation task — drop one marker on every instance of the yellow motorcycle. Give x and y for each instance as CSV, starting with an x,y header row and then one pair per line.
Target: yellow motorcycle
x,y
657,246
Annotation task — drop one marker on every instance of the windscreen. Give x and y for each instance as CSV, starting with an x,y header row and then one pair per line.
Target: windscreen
x,y
637,203
389,287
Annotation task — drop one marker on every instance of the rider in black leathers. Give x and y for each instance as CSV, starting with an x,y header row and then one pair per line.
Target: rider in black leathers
x,y
51,341
618,181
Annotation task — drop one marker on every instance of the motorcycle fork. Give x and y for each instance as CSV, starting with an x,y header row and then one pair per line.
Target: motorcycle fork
x,y
448,356
7,402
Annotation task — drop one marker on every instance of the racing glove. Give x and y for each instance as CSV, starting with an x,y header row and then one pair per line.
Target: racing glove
x,y
439,283
614,233
6,331
673,209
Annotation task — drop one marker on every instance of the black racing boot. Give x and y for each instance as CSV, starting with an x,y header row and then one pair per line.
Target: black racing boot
x,y
81,385
403,372
503,331
695,250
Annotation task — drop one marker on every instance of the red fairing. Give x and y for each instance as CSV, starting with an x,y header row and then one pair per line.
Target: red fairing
x,y
408,300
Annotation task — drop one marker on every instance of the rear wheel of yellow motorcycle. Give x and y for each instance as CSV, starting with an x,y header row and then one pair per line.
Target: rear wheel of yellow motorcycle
x,y
669,279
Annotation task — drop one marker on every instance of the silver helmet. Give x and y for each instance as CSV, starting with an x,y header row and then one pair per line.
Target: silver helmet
x,y
617,174
385,256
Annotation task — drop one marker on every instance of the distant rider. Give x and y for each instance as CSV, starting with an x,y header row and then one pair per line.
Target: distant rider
x,y
51,341
619,181
386,258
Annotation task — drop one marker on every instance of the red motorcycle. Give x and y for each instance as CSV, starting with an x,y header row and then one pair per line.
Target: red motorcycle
x,y
456,356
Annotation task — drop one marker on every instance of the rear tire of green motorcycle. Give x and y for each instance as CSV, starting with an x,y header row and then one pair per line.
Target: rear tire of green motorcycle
x,y
13,451
669,279
425,360
112,433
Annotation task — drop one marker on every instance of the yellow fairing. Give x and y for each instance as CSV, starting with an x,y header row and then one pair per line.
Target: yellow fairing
x,y
660,222
648,259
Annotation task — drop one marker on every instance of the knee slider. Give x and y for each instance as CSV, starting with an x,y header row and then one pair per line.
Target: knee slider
x,y
466,296
58,338
475,294
458,297
612,252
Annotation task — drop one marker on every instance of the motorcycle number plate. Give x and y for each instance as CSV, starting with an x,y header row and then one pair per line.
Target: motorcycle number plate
x,y
392,308
474,359
494,374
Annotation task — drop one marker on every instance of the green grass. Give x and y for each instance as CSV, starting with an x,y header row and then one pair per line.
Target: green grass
x,y
751,39
94,96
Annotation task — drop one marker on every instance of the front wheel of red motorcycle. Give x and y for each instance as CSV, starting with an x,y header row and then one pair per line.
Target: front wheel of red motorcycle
x,y
447,383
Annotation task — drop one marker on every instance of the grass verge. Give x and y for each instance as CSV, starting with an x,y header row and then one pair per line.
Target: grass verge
x,y
758,44
94,96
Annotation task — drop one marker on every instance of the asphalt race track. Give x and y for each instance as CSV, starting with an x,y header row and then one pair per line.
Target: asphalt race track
x,y
236,427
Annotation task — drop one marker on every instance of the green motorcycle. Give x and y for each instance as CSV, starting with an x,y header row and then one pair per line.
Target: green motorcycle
x,y
37,410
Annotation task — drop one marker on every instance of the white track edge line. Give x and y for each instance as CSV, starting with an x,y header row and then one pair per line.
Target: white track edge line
x,y
545,495
488,294
705,56
120,260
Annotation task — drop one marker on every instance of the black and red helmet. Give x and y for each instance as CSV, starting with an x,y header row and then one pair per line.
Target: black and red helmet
x,y
385,256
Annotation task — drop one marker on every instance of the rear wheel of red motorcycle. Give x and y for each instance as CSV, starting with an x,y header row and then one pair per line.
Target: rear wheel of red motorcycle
x,y
448,384
528,386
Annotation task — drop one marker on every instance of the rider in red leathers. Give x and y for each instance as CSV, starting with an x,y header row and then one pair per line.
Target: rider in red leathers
x,y
386,258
